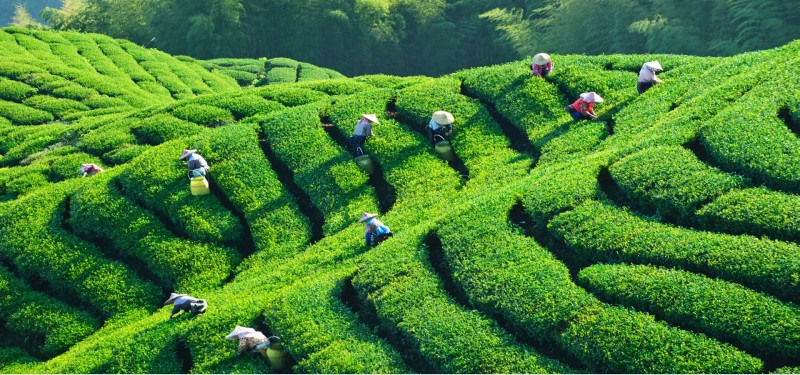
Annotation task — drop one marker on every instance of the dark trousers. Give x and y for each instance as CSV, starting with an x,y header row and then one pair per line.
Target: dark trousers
x,y
576,115
357,142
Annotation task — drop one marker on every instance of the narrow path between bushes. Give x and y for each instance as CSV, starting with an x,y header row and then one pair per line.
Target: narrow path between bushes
x,y
367,315
286,177
246,246
456,164
384,191
517,137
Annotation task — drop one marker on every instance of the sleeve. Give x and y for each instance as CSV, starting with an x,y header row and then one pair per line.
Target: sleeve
x,y
243,346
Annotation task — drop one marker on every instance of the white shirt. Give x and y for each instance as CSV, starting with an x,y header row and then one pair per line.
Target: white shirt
x,y
647,75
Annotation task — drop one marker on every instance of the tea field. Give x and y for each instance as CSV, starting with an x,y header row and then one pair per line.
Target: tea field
x,y
664,238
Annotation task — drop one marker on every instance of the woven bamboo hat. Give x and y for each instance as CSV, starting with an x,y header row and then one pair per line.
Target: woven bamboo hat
x,y
541,59
443,118
654,66
592,97
187,153
365,216
173,297
371,117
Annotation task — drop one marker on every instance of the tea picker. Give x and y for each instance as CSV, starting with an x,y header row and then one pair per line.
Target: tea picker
x,y
440,128
583,108
647,76
89,170
362,132
541,65
375,231
198,170
187,303
256,342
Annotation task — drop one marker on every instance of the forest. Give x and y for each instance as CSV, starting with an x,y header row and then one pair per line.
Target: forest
x,y
430,37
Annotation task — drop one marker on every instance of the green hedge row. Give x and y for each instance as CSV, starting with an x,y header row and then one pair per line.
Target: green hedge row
x,y
32,236
281,75
99,211
89,49
308,72
241,105
618,340
290,96
532,104
340,86
605,233
282,62
58,107
20,114
758,211
412,307
773,157
324,335
242,172
158,181
167,78
477,139
408,162
160,128
47,326
15,91
203,114
670,181
122,60
750,320
327,173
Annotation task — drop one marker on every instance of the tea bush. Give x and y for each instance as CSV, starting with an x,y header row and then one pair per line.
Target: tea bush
x,y
139,234
607,234
758,211
15,91
159,181
32,236
325,171
670,181
757,323
47,326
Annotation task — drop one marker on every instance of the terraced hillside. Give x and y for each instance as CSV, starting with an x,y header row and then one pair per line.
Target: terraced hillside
x,y
664,238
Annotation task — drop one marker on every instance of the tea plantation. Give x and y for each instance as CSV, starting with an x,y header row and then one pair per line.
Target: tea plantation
x,y
664,238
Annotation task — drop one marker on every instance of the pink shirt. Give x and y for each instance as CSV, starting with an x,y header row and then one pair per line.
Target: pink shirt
x,y
537,69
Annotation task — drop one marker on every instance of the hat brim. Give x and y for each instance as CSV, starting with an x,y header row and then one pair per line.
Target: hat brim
x,y
365,218
443,118
371,117
541,59
186,154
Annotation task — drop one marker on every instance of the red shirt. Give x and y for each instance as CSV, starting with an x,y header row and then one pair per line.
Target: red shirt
x,y
580,103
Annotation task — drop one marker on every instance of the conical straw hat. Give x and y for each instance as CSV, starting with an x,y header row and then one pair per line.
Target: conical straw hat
x,y
372,117
186,154
365,216
443,118
592,97
173,297
653,65
541,59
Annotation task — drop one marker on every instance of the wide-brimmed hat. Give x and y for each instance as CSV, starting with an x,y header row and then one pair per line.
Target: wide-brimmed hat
x,y
443,118
365,216
592,97
653,65
371,117
541,59
239,331
186,154
173,297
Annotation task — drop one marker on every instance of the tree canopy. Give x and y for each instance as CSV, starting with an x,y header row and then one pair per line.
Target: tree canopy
x,y
432,36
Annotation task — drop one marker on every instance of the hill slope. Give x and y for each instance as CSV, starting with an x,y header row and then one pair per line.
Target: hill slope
x,y
664,238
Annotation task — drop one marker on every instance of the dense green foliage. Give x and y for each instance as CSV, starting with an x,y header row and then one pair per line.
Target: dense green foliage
x,y
536,249
430,36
